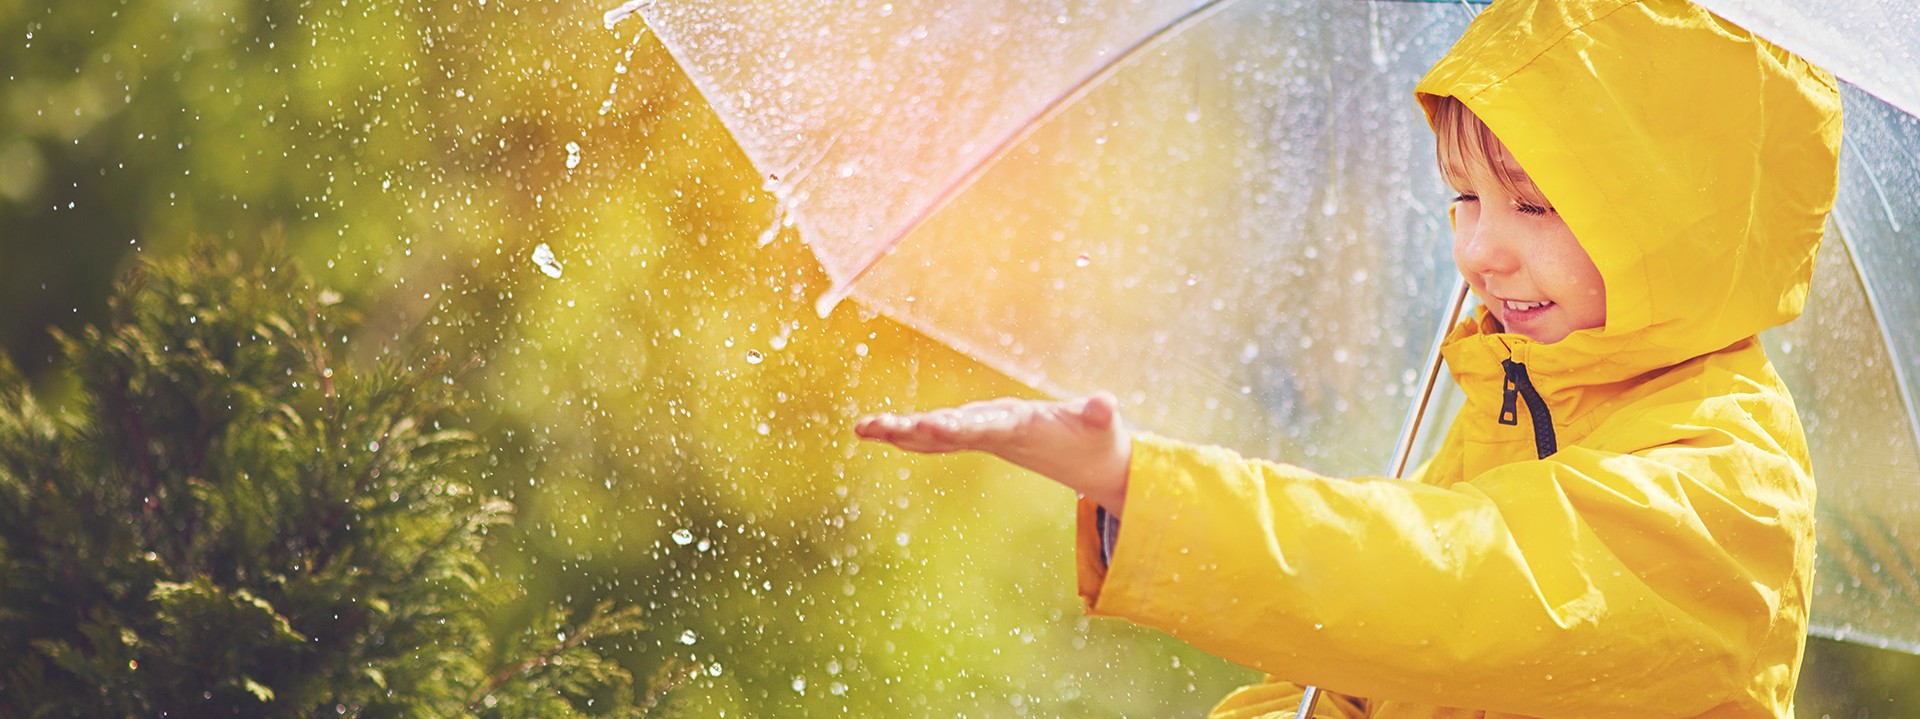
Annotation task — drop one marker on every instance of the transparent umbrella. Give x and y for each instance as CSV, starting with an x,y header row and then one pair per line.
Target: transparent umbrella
x,y
1227,213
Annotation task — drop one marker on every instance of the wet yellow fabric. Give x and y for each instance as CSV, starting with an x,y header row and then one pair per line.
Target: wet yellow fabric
x,y
1658,564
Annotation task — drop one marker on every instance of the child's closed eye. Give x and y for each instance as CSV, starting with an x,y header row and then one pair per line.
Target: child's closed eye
x,y
1528,208
1466,197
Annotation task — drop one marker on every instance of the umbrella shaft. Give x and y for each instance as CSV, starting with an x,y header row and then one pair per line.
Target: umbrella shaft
x,y
1417,414
1408,432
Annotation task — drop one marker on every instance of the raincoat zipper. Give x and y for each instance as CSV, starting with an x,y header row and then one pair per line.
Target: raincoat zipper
x,y
1520,386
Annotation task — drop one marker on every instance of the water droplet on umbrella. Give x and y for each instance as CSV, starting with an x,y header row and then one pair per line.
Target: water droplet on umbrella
x,y
687,637
682,537
1082,261
754,357
573,155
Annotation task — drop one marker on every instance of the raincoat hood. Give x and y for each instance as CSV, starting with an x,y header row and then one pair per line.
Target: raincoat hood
x,y
1694,162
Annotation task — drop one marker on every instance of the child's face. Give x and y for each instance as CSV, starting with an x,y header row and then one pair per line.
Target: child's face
x,y
1520,258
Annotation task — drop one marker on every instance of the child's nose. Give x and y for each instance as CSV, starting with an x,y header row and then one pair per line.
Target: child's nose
x,y
1486,248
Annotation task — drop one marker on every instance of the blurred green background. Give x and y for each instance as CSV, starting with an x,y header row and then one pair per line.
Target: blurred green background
x,y
669,414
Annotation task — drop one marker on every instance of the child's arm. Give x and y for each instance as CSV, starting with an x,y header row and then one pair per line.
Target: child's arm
x,y
1079,443
1594,584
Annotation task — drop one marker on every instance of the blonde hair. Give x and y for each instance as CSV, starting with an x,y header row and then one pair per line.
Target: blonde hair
x,y
1466,147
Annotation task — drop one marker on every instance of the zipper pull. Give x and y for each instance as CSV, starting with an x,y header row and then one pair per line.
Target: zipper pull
x,y
1520,386
1509,407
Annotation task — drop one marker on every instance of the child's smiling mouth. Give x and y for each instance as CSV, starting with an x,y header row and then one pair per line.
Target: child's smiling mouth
x,y
1526,317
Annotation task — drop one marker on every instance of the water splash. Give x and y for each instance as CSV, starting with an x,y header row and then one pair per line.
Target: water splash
x,y
543,256
627,9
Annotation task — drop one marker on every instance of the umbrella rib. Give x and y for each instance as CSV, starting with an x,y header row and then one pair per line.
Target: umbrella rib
x,y
1903,388
1032,124
1878,189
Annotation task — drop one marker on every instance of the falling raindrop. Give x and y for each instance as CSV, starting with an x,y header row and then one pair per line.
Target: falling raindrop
x,y
543,256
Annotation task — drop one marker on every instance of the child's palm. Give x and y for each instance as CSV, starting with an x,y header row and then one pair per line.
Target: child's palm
x,y
1079,443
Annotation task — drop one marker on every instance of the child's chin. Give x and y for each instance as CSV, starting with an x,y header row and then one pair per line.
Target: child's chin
x,y
1545,336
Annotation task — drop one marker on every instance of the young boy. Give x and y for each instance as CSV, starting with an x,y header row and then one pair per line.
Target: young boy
x,y
1619,522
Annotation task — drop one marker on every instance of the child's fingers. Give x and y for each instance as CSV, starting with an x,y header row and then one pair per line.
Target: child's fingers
x,y
979,426
924,433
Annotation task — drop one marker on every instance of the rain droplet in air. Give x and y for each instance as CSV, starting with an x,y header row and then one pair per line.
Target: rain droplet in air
x,y
754,357
543,256
573,155
682,537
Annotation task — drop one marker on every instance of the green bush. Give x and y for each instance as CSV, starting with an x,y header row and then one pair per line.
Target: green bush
x,y
228,521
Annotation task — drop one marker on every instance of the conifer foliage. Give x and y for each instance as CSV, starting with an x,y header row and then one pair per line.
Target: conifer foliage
x,y
228,521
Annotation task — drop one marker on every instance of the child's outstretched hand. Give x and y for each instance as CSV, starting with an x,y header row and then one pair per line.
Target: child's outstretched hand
x,y
1080,443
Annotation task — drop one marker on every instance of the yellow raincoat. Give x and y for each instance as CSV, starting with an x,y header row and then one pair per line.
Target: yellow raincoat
x,y
1635,539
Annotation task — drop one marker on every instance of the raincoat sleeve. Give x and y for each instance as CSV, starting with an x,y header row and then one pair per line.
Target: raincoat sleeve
x,y
1593,583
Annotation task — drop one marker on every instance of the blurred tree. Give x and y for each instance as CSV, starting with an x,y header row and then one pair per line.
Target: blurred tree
x,y
231,522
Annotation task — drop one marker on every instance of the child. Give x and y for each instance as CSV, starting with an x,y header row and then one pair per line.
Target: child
x,y
1619,522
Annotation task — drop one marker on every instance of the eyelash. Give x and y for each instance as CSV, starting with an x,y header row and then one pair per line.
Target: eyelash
x,y
1521,207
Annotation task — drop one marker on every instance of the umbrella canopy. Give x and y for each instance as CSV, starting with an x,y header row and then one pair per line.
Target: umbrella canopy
x,y
1228,213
